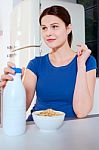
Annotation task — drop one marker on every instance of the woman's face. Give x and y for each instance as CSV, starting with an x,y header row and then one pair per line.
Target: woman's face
x,y
54,31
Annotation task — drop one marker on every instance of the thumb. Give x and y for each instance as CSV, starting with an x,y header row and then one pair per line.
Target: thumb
x,y
23,71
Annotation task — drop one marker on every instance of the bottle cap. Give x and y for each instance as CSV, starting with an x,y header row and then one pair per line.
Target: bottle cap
x,y
17,70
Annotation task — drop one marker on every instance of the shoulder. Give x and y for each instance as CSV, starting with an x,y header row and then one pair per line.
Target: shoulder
x,y
91,63
91,58
35,63
37,59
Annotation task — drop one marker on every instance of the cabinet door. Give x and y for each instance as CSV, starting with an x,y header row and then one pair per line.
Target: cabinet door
x,y
22,57
24,32
25,24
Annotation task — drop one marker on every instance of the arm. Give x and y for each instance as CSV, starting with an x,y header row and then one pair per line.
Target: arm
x,y
85,84
84,92
29,82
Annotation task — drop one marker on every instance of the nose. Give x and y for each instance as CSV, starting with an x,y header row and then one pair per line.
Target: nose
x,y
49,32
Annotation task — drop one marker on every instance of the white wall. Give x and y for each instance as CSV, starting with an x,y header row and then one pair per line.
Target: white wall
x,y
5,10
15,2
73,1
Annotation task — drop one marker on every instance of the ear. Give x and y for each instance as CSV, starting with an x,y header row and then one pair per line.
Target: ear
x,y
69,28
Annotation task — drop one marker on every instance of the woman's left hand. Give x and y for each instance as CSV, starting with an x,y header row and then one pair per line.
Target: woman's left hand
x,y
83,53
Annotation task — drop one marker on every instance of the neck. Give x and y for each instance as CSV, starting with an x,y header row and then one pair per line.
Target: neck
x,y
62,53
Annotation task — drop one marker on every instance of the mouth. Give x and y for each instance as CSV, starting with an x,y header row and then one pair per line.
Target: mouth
x,y
50,40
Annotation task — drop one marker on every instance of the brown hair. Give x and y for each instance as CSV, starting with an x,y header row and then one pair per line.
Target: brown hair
x,y
60,12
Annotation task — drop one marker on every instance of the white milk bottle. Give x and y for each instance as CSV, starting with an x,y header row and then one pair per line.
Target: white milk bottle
x,y
14,106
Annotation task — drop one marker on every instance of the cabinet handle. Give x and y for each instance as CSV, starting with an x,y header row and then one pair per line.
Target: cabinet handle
x,y
10,47
29,46
11,55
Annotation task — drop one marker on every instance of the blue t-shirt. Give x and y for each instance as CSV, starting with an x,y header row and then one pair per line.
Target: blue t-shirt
x,y
55,85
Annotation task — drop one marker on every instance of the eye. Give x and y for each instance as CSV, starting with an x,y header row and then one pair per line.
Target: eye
x,y
44,28
54,26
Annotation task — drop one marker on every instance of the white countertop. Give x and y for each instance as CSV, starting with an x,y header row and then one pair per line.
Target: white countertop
x,y
79,134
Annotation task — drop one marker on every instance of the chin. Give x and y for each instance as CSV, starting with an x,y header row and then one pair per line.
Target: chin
x,y
52,46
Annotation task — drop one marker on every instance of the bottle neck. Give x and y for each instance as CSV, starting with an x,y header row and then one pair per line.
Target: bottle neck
x,y
17,76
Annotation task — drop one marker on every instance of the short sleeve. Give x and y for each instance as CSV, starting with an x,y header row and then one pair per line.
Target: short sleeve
x,y
91,63
33,66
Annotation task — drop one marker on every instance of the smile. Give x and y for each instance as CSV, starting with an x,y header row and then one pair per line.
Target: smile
x,y
51,40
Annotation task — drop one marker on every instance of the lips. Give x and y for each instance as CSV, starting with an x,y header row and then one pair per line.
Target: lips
x,y
50,40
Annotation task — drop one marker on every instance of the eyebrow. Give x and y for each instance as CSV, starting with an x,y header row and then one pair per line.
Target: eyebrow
x,y
50,24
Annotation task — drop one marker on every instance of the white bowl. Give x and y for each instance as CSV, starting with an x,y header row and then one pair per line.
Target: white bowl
x,y
47,123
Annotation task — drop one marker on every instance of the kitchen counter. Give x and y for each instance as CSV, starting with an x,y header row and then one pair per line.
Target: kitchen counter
x,y
81,134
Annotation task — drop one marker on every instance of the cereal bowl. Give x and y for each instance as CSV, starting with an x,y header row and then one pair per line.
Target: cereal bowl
x,y
48,122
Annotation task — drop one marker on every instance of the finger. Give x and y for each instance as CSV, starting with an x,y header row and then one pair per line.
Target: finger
x,y
79,50
8,71
3,84
6,77
83,46
23,70
78,53
10,64
89,50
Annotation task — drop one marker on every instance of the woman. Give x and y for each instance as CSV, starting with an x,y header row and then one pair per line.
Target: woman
x,y
63,79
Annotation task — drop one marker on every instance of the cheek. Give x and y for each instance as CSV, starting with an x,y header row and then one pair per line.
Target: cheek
x,y
43,35
62,35
61,32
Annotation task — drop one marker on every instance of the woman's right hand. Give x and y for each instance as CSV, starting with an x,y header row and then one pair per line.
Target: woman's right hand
x,y
5,77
